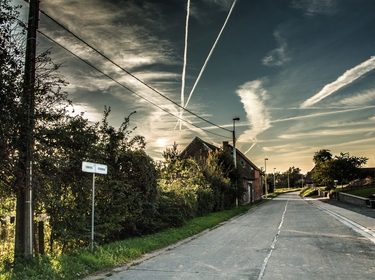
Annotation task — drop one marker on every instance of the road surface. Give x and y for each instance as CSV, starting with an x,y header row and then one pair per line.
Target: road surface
x,y
285,238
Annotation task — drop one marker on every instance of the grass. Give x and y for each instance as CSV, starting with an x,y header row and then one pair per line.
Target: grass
x,y
310,191
82,262
363,192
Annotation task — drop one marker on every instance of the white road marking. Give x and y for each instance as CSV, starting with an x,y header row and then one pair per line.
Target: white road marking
x,y
273,245
370,235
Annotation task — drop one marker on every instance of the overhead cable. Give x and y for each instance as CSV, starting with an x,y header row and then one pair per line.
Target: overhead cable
x,y
127,88
129,73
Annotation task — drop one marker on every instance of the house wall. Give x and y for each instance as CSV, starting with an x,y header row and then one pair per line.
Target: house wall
x,y
251,182
257,185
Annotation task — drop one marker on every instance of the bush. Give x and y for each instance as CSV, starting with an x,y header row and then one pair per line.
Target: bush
x,y
206,201
171,211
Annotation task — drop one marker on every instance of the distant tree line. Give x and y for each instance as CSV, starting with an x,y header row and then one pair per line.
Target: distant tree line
x,y
327,169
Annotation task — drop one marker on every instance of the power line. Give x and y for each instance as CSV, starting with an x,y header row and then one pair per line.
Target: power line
x,y
132,91
129,73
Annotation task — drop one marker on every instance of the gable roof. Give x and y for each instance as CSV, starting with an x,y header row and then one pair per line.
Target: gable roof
x,y
248,161
210,147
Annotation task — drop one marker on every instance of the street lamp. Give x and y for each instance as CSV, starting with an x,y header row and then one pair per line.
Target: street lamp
x,y
274,181
302,179
234,151
265,174
234,142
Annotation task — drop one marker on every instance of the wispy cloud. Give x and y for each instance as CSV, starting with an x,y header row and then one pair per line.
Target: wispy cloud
x,y
313,7
277,57
327,132
348,77
362,98
360,147
253,97
321,114
90,112
226,4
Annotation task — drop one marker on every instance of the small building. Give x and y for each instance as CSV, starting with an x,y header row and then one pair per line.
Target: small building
x,y
251,177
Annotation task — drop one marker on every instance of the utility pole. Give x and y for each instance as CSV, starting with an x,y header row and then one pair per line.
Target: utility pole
x,y
24,222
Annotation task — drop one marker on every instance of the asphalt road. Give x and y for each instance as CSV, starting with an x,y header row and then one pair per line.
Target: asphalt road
x,y
286,238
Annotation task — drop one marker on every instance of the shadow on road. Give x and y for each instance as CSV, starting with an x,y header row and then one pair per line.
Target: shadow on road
x,y
366,211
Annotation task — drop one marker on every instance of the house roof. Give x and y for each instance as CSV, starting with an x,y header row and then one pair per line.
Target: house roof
x,y
211,147
208,146
246,159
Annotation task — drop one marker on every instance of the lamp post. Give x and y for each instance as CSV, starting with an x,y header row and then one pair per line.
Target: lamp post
x,y
274,181
234,141
302,179
234,151
265,174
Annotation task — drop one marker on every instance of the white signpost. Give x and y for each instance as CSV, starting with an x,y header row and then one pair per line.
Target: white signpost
x,y
93,168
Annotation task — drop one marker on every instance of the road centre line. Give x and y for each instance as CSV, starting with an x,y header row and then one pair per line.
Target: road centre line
x,y
273,245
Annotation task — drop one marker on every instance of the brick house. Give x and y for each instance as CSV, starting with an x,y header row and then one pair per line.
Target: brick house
x,y
251,177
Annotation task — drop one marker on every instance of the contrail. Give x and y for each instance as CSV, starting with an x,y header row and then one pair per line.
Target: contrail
x,y
209,55
248,150
185,60
348,77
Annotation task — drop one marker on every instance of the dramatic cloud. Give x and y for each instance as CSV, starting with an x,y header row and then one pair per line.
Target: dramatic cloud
x,y
253,97
347,78
277,57
309,40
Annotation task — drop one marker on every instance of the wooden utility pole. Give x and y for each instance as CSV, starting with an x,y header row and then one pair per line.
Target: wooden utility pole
x,y
24,215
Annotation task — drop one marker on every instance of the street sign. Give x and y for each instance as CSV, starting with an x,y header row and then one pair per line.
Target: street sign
x,y
100,168
94,167
88,167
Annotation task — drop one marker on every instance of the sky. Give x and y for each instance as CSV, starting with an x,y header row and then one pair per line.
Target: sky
x,y
298,73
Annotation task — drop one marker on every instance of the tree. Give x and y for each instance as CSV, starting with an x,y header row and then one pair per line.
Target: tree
x,y
217,176
289,178
322,156
125,198
129,191
15,120
322,160
11,70
342,168
182,178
